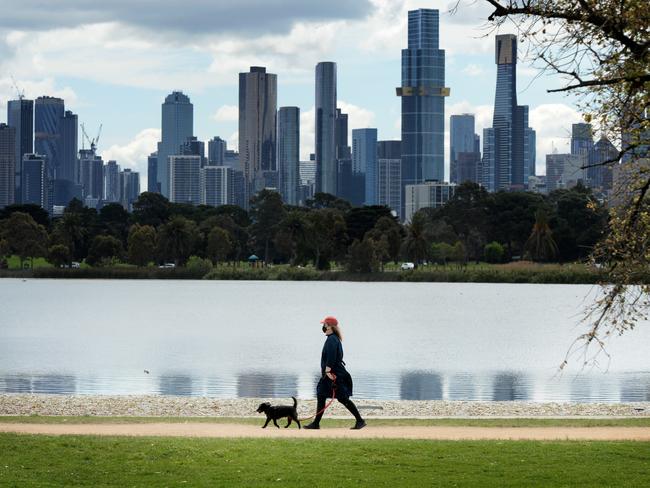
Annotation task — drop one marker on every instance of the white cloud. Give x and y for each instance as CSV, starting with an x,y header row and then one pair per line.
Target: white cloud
x,y
227,113
552,122
307,132
134,154
473,70
233,141
35,88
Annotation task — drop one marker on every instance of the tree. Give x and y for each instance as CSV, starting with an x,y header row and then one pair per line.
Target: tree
x,y
327,200
387,237
141,244
24,236
176,240
540,245
494,252
70,232
416,244
360,220
441,252
104,250
326,234
266,213
601,49
38,213
59,255
291,235
114,220
151,209
361,257
219,244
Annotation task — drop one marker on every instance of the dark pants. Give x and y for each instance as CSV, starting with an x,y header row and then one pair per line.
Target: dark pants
x,y
347,403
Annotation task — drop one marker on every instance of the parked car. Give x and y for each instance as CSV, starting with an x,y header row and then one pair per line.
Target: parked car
x,y
407,266
167,265
75,264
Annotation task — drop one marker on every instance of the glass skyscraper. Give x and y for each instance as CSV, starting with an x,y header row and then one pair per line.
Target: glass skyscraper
x,y
7,164
257,128
423,104
326,165
289,153
461,141
20,116
177,126
47,117
364,160
68,147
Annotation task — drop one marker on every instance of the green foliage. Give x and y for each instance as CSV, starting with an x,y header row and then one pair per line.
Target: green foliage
x,y
176,240
540,245
362,257
141,244
105,250
494,252
441,252
219,244
199,265
266,212
24,236
151,209
59,255
326,236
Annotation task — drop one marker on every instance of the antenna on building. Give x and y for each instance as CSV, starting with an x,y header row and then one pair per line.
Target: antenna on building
x,y
19,92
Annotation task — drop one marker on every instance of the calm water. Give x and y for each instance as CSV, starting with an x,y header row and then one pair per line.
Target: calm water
x,y
263,339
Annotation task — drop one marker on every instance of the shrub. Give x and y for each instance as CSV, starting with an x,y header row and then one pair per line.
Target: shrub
x,y
199,265
494,252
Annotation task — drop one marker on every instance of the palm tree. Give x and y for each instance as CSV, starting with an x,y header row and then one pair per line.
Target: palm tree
x,y
416,243
540,245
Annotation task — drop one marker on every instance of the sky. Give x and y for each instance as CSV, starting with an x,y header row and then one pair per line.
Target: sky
x,y
114,62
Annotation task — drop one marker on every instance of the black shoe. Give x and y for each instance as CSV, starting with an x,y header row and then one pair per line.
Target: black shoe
x,y
359,425
313,425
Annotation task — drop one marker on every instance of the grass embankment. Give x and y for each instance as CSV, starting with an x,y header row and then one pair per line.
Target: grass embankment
x,y
119,461
331,423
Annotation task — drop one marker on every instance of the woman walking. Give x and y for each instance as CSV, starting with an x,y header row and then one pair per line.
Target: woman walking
x,y
333,372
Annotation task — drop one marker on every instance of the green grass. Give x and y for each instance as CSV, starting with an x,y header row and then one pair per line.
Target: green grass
x,y
27,460
14,262
452,422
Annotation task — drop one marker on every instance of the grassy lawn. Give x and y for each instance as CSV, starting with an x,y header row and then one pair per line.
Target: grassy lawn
x,y
14,262
119,461
451,422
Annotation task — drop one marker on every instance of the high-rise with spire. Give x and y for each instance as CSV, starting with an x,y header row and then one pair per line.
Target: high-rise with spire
x,y
326,163
177,126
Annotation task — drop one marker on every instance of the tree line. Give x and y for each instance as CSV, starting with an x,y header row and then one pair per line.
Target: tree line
x,y
473,226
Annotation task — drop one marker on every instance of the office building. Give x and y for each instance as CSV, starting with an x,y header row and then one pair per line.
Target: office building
x,y
430,194
177,126
289,153
325,126
63,191
91,170
464,156
20,116
48,114
35,181
217,185
111,182
7,165
602,159
217,148
563,171
389,176
193,147
364,161
423,104
232,159
129,188
509,145
184,179
257,128
68,145
152,173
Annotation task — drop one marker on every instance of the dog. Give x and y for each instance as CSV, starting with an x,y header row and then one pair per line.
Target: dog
x,y
275,413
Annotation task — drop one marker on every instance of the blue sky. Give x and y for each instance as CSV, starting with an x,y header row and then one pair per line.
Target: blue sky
x,y
114,62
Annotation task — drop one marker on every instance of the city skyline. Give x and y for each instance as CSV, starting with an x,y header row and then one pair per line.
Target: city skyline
x,y
378,29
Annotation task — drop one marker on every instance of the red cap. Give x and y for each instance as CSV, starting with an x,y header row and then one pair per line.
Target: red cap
x,y
329,320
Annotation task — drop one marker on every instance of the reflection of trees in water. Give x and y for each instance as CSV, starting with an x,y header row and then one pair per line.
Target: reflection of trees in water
x,y
264,385
421,386
508,387
47,383
635,389
180,385
462,387
581,388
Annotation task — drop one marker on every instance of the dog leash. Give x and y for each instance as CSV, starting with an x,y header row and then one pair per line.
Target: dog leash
x,y
328,404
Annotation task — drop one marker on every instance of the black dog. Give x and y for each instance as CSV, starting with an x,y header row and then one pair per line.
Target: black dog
x,y
275,413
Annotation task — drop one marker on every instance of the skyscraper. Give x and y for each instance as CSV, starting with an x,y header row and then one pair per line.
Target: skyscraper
x,y
462,149
184,179
217,185
91,170
508,151
68,145
129,188
257,127
49,112
364,160
217,148
152,173
177,126
325,124
389,177
35,184
423,104
289,153
7,164
111,182
20,116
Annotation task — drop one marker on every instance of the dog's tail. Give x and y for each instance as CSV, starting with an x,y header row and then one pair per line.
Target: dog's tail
x,y
295,402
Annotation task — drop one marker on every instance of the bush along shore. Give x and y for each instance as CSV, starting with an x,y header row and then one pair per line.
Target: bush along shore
x,y
522,273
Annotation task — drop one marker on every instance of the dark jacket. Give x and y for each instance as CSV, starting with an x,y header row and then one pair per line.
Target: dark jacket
x,y
332,356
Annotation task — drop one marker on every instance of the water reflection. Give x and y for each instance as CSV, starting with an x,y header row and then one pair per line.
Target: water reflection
x,y
421,386
49,383
635,390
179,385
263,385
509,387
462,387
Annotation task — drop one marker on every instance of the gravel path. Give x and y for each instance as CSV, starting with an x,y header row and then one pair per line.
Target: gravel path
x,y
171,406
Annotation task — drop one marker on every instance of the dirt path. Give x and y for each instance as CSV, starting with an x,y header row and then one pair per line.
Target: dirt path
x,y
406,432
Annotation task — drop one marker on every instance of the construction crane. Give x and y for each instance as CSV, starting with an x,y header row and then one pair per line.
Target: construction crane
x,y
19,92
92,142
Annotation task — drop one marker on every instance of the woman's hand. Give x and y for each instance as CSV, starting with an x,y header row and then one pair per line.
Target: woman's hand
x,y
330,375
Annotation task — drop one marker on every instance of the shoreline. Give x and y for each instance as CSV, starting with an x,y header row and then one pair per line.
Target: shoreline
x,y
178,406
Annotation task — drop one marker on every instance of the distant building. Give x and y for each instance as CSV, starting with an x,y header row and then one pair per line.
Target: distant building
x,y
217,185
62,192
111,182
217,148
603,157
129,188
364,161
537,184
48,113
91,169
389,176
462,140
67,147
20,116
35,181
289,153
307,172
563,171
152,173
193,147
184,179
7,165
177,126
325,125
232,159
430,194
257,127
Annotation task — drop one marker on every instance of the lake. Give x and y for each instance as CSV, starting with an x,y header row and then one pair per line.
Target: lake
x,y
227,339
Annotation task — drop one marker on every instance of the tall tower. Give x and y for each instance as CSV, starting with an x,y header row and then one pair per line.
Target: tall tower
x,y
461,141
326,128
364,160
289,153
257,128
20,116
177,126
68,146
48,114
7,164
